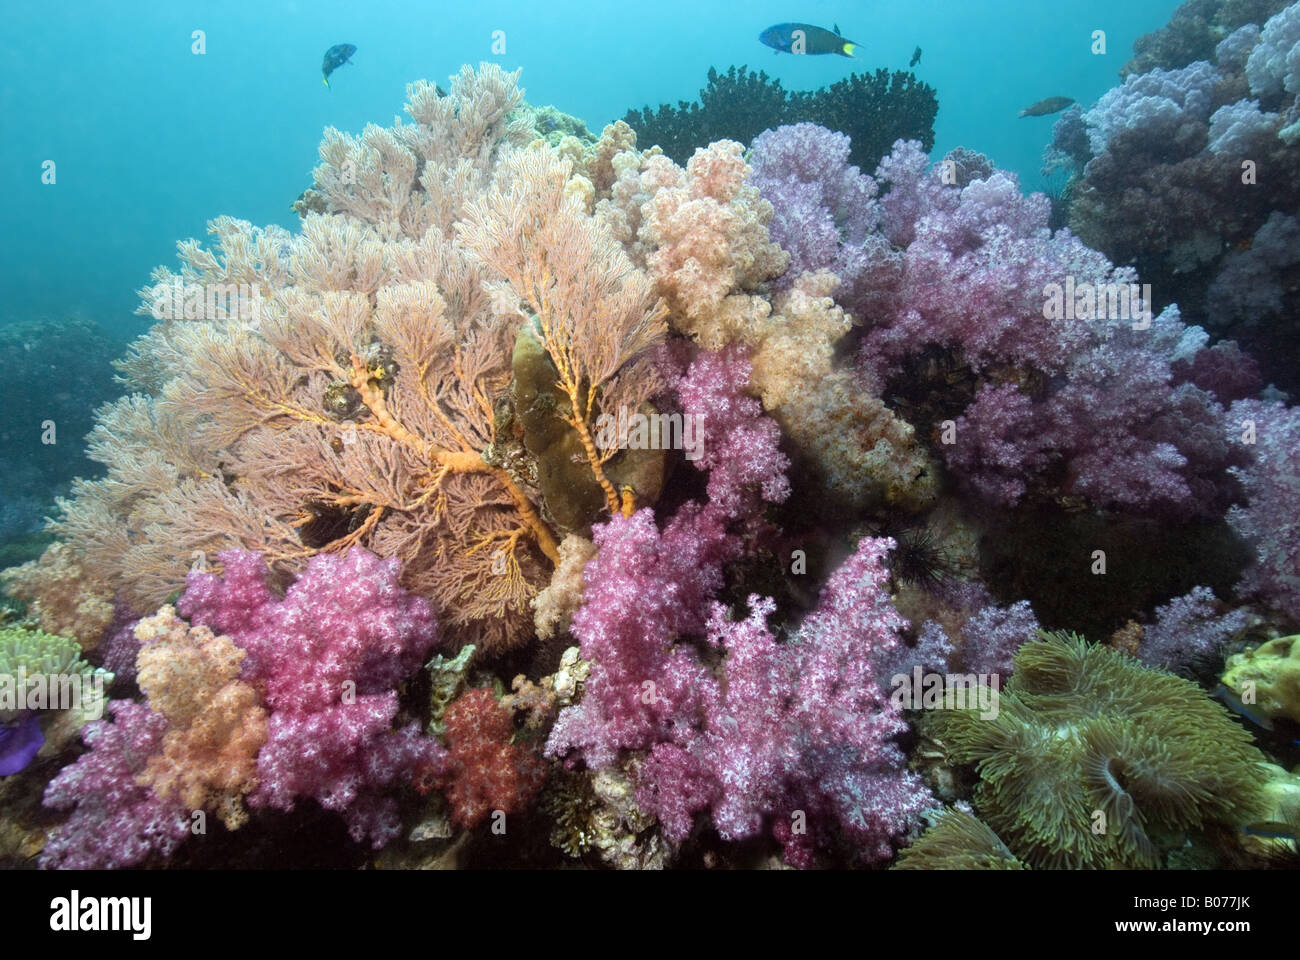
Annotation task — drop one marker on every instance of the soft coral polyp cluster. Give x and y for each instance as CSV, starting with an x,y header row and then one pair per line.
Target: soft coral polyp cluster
x,y
487,772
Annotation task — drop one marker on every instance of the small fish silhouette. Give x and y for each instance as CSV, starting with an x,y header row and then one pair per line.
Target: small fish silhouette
x,y
1044,107
335,57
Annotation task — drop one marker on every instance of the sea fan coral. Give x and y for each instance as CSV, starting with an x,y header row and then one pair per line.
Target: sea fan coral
x,y
348,393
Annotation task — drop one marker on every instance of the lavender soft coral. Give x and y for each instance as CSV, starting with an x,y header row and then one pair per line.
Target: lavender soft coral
x,y
990,636
1086,394
802,735
1168,103
1188,627
330,656
1270,520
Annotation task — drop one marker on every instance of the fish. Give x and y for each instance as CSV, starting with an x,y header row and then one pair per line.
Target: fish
x,y
1282,728
816,40
916,58
1044,107
1250,711
1271,830
335,57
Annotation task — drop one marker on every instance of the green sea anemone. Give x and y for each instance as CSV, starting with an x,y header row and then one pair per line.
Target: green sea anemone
x,y
1095,761
27,653
958,840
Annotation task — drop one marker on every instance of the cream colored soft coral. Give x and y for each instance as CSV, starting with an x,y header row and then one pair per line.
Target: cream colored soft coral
x,y
554,606
216,722
63,595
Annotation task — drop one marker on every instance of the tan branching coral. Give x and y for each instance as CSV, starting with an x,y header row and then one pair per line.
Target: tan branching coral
x,y
216,722
65,599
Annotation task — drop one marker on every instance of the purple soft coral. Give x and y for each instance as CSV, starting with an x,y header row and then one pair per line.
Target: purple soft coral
x,y
331,655
116,822
1090,391
1188,627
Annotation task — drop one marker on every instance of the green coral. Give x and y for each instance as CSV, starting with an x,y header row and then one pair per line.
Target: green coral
x,y
447,679
1094,761
553,125
958,840
1268,676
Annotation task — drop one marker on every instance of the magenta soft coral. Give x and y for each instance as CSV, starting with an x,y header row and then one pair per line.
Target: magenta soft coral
x,y
799,734
330,656
645,588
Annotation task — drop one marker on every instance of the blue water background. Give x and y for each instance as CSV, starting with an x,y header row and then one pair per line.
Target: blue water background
x,y
151,141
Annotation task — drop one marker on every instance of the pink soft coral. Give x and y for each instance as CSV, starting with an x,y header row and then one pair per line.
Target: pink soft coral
x,y
330,656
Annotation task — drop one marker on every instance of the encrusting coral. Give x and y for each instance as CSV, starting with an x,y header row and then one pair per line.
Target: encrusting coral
x,y
1268,675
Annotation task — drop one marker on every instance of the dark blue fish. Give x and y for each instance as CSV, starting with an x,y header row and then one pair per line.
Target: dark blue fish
x,y
916,58
815,40
1249,711
335,57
